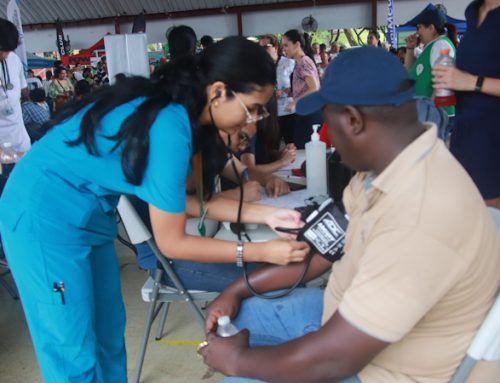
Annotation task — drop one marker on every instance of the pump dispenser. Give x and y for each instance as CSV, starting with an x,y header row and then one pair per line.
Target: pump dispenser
x,y
316,164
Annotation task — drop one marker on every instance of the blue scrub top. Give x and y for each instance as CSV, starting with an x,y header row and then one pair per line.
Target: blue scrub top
x,y
63,194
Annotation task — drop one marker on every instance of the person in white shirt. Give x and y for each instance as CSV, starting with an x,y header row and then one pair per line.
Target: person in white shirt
x,y
12,129
284,70
33,82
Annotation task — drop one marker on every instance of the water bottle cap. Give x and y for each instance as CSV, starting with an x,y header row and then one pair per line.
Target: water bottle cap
x,y
223,320
444,51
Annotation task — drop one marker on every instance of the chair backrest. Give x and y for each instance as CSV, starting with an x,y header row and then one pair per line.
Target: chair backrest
x,y
495,214
486,343
136,230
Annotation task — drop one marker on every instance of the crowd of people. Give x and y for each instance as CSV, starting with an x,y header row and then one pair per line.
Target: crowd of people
x,y
420,263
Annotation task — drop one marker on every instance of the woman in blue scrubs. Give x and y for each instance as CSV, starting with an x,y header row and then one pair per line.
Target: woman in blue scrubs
x,y
57,217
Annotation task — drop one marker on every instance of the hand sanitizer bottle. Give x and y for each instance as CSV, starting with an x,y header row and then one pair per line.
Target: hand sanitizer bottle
x,y
316,165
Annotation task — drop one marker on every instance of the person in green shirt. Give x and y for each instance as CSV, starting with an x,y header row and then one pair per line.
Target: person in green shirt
x,y
436,34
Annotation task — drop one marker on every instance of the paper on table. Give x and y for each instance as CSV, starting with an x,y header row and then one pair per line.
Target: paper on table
x,y
299,159
290,200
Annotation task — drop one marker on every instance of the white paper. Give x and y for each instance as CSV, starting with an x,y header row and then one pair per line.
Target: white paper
x,y
290,200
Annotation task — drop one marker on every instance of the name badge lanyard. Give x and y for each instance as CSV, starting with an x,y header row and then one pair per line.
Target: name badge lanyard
x,y
6,84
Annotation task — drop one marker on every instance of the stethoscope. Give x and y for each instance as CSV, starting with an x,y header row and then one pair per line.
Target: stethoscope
x,y
6,84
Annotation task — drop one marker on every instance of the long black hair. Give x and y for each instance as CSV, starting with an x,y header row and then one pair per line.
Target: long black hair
x,y
268,135
303,38
242,65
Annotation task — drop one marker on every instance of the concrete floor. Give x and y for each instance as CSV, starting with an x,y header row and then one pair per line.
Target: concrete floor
x,y
163,363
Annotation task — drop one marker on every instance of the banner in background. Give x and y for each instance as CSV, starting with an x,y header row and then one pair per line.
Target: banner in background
x,y
61,48
139,24
391,28
14,16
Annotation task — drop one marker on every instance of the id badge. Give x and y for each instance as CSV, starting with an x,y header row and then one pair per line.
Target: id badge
x,y
6,108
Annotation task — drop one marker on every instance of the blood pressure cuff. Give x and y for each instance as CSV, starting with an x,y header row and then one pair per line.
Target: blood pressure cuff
x,y
324,230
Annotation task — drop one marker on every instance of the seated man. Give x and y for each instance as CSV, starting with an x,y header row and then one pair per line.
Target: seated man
x,y
35,114
421,261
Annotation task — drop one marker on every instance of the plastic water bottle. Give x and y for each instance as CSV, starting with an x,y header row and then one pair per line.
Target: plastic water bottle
x,y
7,155
444,97
316,165
225,328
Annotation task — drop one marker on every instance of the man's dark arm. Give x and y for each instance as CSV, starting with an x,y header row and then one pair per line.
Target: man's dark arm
x,y
337,350
267,278
274,277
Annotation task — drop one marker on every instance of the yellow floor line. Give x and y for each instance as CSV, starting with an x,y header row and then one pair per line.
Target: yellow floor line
x,y
180,342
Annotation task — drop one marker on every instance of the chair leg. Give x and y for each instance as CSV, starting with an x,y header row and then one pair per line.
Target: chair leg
x,y
163,319
147,328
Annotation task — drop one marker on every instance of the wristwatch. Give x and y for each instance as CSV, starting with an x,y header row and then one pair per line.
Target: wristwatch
x,y
239,254
479,84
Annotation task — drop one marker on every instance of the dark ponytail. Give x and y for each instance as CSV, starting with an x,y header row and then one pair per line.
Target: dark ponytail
x,y
451,31
242,65
305,43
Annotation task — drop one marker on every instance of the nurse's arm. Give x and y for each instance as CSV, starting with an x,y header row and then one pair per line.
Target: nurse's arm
x,y
224,209
172,240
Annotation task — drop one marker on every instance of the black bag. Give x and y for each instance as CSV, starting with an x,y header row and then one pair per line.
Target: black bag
x,y
339,176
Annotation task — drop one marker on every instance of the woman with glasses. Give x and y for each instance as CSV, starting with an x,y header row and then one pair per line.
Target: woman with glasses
x,y
264,153
136,137
305,80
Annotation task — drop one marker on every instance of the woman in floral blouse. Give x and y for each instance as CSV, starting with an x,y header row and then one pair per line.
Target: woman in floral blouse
x,y
61,89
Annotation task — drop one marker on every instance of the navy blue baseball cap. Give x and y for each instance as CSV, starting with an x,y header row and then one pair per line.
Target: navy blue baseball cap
x,y
365,76
430,15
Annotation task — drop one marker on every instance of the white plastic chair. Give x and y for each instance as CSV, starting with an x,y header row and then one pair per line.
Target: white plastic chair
x,y
153,291
486,342
484,346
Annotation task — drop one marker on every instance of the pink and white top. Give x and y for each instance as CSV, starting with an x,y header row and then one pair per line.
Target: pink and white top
x,y
304,67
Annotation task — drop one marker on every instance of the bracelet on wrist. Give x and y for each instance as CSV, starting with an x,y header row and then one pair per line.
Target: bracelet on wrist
x,y
239,254
479,84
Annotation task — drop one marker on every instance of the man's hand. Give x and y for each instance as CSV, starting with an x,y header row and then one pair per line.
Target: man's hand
x,y
222,354
227,303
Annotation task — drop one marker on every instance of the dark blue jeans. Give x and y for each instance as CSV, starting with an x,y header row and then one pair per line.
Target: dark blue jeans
x,y
194,275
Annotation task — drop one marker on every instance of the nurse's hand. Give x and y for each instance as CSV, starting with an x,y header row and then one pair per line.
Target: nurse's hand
x,y
284,251
288,218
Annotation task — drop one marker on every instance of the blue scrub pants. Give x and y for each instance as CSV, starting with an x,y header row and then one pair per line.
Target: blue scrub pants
x,y
80,339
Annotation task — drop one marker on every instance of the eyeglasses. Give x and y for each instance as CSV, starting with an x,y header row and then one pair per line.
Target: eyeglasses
x,y
261,112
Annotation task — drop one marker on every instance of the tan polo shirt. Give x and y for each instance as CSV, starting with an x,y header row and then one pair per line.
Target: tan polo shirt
x,y
421,265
